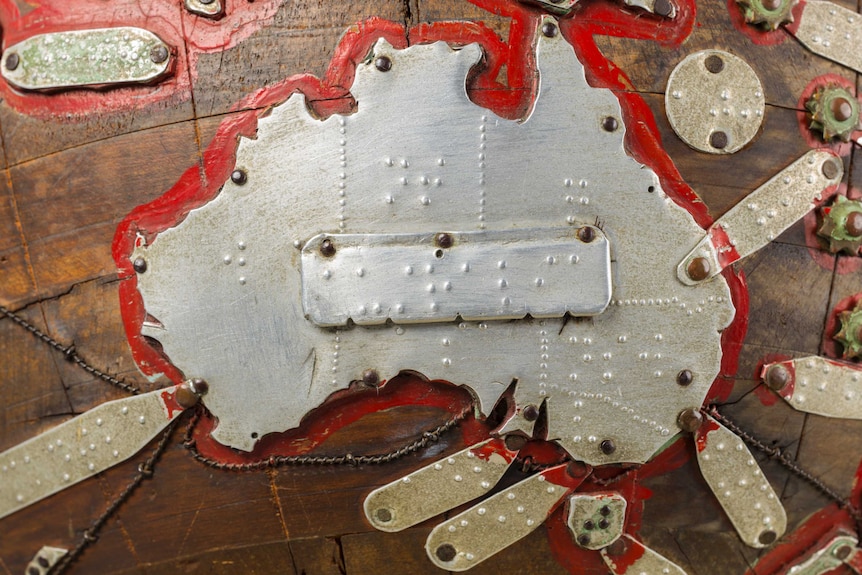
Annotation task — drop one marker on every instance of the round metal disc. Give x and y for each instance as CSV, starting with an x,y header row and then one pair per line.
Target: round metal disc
x,y
714,102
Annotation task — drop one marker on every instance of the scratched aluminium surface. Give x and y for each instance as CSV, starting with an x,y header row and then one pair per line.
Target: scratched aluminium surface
x,y
75,164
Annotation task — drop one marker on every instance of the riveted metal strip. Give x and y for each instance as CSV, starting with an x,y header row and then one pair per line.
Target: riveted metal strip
x,y
738,483
831,556
821,386
832,31
82,447
638,559
762,215
96,57
438,487
495,523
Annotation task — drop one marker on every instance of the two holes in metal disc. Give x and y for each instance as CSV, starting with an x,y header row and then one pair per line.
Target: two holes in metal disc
x,y
714,64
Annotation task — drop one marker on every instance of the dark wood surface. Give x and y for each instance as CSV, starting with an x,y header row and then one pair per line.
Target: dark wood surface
x,y
68,184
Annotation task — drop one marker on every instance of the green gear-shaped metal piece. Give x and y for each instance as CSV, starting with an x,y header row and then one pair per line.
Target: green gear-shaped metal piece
x,y
768,14
850,334
841,225
834,112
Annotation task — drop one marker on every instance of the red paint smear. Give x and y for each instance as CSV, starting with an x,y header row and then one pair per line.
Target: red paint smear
x,y
766,396
634,551
495,447
843,149
725,250
169,398
787,391
760,36
701,436
828,345
818,248
186,34
807,539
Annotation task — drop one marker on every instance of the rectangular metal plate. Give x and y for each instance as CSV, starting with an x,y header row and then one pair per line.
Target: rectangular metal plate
x,y
409,278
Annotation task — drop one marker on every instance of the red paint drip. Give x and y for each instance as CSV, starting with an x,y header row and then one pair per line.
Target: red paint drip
x,y
169,399
495,447
724,249
702,435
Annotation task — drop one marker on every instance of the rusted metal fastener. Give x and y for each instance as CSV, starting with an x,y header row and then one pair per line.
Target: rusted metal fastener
x,y
189,393
718,140
327,248
239,177
370,377
608,446
767,537
12,61
531,412
446,552
698,269
714,63
777,377
586,234
834,113
610,124
383,63
689,420
443,240
577,469
664,8
830,169
549,29
140,265
843,552
383,515
685,377
158,54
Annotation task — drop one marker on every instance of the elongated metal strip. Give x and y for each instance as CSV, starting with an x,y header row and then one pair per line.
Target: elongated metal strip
x,y
762,215
82,447
439,487
832,31
738,483
638,559
820,386
98,56
490,526
827,558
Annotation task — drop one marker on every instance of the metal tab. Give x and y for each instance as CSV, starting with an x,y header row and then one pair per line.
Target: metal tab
x,y
827,558
596,520
714,102
44,559
664,8
762,215
635,558
490,526
409,278
832,31
96,57
738,483
208,8
821,386
438,487
82,447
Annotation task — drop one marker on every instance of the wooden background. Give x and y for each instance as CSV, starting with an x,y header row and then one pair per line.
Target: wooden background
x,y
68,184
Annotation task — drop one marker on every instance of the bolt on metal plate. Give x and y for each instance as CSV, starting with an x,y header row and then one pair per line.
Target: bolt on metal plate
x,y
81,447
714,101
638,559
500,275
208,8
739,485
596,520
833,32
493,524
764,214
96,57
823,387
828,557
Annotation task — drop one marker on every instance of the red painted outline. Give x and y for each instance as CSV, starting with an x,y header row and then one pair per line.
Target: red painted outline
x,y
758,35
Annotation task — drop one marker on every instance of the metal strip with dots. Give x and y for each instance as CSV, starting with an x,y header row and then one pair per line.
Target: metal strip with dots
x,y
636,558
832,31
820,386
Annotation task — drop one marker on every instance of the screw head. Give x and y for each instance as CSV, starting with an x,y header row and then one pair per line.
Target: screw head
x,y
698,269
445,552
830,169
689,420
777,377
12,61
443,240
327,248
608,446
718,140
549,29
159,54
531,413
185,396
140,265
586,234
239,177
610,124
685,377
714,63
842,109
383,63
370,377
383,515
853,224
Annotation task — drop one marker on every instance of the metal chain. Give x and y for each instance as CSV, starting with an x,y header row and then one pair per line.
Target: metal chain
x,y
69,352
274,461
91,534
789,463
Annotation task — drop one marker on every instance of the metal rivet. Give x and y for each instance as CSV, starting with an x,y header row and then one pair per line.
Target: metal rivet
x,y
383,63
843,552
767,537
239,177
443,240
698,269
446,552
663,8
684,377
515,442
43,562
608,446
617,548
199,386
370,377
689,420
605,511
610,124
777,377
159,54
327,248
531,413
714,63
771,5
140,265
549,29
383,515
586,234
12,61
206,1
718,140
583,539
853,224
830,169
589,525
842,109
